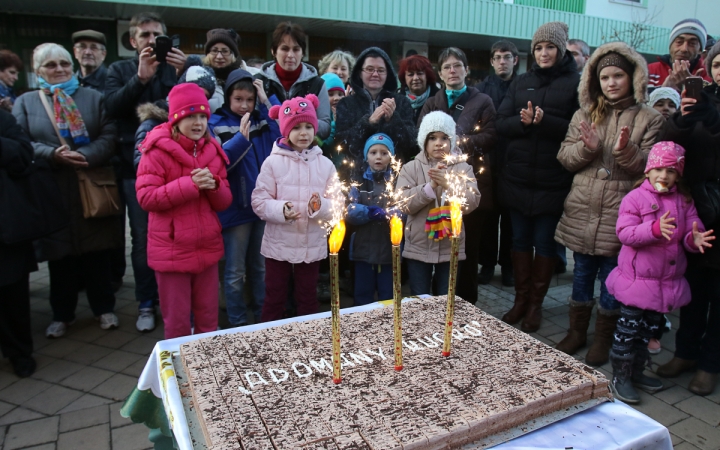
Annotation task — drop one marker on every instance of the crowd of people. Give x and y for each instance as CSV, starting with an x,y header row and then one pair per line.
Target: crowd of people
x,y
216,159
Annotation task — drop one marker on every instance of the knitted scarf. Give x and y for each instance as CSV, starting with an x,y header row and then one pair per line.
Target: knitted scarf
x,y
68,118
417,102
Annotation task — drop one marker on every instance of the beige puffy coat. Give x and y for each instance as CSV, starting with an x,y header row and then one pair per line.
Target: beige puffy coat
x,y
603,176
412,180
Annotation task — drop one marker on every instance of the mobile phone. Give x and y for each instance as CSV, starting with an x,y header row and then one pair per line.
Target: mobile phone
x,y
163,44
693,87
175,38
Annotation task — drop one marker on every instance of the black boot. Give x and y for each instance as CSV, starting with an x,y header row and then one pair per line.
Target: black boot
x,y
622,384
640,363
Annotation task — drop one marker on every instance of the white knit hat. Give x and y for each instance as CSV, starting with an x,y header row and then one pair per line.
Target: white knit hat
x,y
436,121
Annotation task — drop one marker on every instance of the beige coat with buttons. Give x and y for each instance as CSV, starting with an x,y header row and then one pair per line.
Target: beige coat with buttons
x,y
603,176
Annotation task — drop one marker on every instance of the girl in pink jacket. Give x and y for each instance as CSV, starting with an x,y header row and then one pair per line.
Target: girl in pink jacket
x,y
182,182
288,197
655,225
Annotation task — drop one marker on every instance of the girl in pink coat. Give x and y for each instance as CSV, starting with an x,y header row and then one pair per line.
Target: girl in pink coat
x,y
182,183
288,197
656,225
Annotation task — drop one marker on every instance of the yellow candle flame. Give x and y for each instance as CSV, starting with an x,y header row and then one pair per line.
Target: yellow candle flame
x,y
396,230
456,218
337,236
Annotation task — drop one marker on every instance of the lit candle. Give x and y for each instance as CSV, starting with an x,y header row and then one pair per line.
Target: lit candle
x,y
396,234
456,220
335,241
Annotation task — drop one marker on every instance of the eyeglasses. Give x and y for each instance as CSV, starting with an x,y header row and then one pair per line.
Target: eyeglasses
x,y
498,58
456,66
52,65
93,47
371,70
224,52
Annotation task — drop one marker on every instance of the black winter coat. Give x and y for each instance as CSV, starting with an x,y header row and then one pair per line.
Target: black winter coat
x,y
496,88
123,93
16,155
352,127
699,133
533,181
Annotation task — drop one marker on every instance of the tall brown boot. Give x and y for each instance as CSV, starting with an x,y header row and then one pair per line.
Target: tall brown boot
x,y
542,272
522,266
599,351
576,338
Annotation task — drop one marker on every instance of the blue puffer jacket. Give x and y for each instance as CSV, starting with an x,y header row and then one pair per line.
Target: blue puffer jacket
x,y
246,157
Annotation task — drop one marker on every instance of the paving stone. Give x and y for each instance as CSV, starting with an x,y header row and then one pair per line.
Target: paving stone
x,y
142,345
116,420
27,434
135,369
50,446
2,436
555,338
5,408
18,415
6,379
674,394
53,400
57,371
684,446
117,360
23,390
697,433
131,437
60,348
676,440
84,418
84,402
551,329
116,339
86,334
117,387
701,408
87,354
658,410
86,379
97,437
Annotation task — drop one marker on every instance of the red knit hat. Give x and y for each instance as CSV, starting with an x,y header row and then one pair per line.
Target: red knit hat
x,y
186,99
295,111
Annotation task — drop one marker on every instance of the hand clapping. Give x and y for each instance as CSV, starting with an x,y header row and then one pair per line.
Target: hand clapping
x,y
589,136
530,116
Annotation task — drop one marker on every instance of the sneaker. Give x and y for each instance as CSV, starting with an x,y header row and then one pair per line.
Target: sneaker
x,y
146,320
109,321
646,383
486,274
56,330
625,391
654,346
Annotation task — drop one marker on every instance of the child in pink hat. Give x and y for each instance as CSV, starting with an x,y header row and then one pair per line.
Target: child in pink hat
x,y
656,224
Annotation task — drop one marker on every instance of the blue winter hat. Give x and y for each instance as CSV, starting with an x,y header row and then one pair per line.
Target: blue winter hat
x,y
333,82
379,138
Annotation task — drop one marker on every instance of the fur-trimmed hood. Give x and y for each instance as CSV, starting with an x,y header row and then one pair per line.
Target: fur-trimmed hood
x,y
589,88
157,110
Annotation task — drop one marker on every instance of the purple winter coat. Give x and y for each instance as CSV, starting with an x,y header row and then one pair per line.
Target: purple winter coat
x,y
650,271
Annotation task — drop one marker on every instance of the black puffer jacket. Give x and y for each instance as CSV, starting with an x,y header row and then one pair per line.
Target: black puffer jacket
x,y
495,88
352,125
533,181
699,133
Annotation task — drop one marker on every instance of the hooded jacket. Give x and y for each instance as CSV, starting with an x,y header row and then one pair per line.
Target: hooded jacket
x,y
650,271
291,176
184,232
603,176
533,181
245,157
411,183
150,115
354,111
309,82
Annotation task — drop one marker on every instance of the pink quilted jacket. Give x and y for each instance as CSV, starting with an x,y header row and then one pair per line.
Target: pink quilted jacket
x,y
289,176
184,232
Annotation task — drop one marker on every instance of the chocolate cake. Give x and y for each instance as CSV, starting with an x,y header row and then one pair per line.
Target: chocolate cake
x,y
273,388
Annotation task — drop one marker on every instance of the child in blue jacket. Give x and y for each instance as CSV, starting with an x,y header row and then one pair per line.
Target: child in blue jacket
x,y
247,134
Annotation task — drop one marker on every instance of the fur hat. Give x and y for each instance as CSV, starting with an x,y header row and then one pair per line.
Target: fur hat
x,y
712,53
555,32
220,35
666,154
186,99
690,26
379,138
436,121
295,111
333,82
663,93
200,76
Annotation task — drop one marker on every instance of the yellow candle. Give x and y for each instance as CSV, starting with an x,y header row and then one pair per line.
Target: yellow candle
x,y
335,242
456,219
396,233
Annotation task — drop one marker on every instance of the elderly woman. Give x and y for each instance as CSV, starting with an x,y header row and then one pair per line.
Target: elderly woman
x,y
375,107
10,66
606,147
287,76
417,82
338,62
81,252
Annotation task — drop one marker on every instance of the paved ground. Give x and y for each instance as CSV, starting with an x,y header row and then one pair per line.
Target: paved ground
x,y
73,400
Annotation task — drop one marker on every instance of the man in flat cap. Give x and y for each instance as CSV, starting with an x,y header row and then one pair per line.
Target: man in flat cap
x,y
89,49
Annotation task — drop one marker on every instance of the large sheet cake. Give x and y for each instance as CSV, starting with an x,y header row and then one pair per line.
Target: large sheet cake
x,y
273,388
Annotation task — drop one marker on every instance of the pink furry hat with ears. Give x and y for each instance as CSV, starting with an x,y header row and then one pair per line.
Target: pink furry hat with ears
x,y
295,111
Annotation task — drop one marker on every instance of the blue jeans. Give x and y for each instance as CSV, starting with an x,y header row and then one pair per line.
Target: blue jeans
x,y
242,257
421,277
372,277
146,290
587,269
536,232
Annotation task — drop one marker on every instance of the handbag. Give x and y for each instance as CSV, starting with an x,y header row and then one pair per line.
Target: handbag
x,y
99,193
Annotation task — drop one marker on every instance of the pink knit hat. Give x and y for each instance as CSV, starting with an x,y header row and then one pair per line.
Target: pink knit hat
x,y
666,154
186,99
295,111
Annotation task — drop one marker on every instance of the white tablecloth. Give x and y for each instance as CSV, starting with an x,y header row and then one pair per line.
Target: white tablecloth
x,y
606,426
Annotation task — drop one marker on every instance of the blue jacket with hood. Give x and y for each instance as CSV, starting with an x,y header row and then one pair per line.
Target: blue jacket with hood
x,y
246,157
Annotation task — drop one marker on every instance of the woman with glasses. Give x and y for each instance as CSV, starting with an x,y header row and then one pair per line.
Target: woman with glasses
x,y
222,54
79,253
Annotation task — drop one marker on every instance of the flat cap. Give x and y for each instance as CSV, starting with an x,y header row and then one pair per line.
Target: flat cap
x,y
91,35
